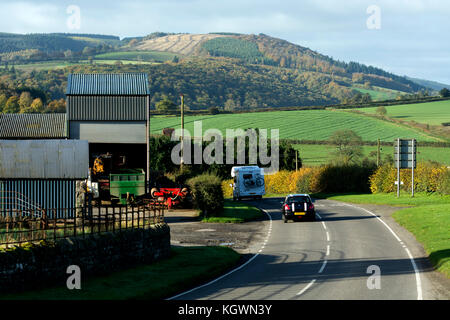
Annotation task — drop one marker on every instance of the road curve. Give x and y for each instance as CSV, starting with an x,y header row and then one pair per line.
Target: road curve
x,y
336,257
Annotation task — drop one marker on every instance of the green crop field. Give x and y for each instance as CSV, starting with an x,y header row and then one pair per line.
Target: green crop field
x,y
379,94
299,125
49,65
314,155
433,113
137,55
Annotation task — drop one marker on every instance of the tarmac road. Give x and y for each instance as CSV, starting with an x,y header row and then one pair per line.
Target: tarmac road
x,y
338,256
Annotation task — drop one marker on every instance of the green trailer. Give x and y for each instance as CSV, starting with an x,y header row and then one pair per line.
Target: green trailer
x,y
127,184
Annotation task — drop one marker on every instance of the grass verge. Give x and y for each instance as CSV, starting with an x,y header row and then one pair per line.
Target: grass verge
x,y
235,212
428,219
186,268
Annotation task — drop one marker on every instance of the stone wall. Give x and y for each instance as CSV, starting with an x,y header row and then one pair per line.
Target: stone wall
x,y
44,265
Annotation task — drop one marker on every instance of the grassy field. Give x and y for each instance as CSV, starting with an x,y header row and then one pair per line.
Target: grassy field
x,y
428,220
235,212
314,155
137,55
433,113
49,65
301,125
155,282
378,94
54,65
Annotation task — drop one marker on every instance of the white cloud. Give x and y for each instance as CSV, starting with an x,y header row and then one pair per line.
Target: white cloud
x,y
28,17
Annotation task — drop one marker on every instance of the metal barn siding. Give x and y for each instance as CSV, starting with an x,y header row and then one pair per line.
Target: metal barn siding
x,y
54,196
44,159
128,84
128,132
106,108
33,126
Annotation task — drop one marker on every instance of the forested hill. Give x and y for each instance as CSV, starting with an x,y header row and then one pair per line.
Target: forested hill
x,y
277,52
225,70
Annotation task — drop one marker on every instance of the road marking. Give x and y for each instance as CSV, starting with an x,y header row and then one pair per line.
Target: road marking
x,y
328,236
306,288
324,226
227,274
323,266
328,250
416,270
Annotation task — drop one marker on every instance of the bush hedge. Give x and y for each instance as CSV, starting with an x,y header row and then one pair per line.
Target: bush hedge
x,y
428,177
207,194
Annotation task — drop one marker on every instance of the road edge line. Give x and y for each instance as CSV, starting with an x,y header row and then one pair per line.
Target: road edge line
x,y
411,258
230,272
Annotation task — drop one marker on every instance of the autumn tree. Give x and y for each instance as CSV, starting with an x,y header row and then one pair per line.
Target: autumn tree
x,y
348,146
3,100
166,105
25,101
12,105
37,106
381,111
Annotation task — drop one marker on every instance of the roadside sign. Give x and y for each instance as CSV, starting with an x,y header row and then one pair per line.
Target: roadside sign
x,y
405,151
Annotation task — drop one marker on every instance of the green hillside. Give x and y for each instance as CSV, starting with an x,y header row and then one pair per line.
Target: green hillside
x,y
433,113
299,125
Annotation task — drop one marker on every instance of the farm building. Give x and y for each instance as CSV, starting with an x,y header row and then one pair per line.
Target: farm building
x,y
41,175
33,126
107,118
111,112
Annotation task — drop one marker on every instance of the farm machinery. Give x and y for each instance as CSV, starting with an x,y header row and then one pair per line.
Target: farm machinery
x,y
111,180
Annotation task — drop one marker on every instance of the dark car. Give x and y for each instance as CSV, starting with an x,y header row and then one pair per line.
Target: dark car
x,y
298,207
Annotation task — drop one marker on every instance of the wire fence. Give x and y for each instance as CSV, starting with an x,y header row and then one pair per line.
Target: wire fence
x,y
21,226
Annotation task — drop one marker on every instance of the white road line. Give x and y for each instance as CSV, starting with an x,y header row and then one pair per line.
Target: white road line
x,y
227,274
328,236
306,288
323,266
416,270
324,225
328,250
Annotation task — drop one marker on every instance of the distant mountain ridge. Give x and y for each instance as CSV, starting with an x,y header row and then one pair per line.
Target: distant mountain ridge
x,y
228,70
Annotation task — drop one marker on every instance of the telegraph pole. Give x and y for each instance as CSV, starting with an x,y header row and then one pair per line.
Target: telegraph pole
x,y
378,153
182,131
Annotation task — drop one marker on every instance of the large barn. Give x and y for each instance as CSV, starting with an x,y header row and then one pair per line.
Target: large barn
x,y
111,111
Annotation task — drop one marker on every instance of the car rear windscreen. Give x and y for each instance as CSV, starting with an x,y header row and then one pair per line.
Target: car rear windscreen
x,y
298,200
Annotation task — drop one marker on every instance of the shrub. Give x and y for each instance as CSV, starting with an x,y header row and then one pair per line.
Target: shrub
x,y
444,184
428,177
341,178
226,189
207,193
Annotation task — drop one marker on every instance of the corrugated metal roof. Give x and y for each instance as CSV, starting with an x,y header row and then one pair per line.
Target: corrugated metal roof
x,y
44,159
27,126
134,84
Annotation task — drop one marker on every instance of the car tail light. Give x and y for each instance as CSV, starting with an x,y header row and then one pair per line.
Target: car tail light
x,y
286,207
311,207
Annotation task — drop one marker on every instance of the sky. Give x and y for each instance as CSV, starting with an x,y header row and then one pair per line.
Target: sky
x,y
405,37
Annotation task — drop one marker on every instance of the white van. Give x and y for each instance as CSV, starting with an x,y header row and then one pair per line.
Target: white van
x,y
248,182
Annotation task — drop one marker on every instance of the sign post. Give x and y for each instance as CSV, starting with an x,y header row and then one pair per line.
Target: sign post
x,y
405,158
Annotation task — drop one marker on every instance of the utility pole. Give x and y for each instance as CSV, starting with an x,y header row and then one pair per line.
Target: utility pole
x,y
182,132
378,153
398,168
